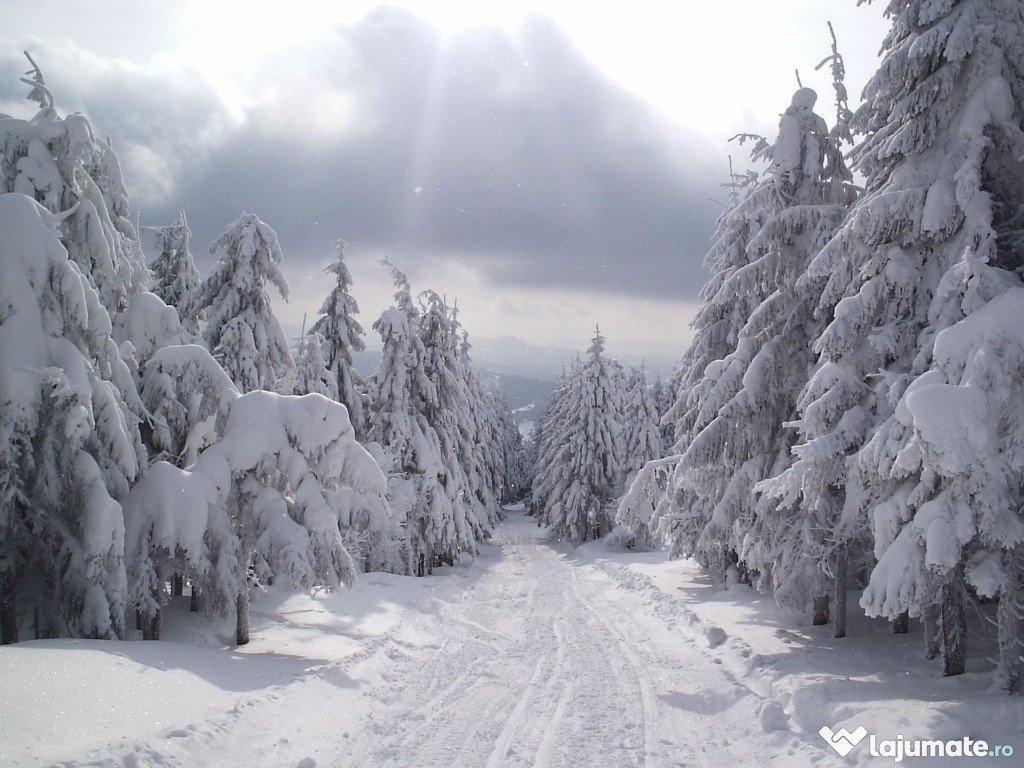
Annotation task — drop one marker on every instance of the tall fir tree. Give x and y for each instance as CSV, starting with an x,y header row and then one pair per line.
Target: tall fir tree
x,y
401,391
241,329
60,163
343,335
176,280
68,435
580,471
931,243
69,410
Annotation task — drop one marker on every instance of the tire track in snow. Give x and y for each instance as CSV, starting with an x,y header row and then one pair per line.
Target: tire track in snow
x,y
650,710
515,719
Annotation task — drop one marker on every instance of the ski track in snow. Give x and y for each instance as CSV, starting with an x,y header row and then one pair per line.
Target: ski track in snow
x,y
545,661
541,670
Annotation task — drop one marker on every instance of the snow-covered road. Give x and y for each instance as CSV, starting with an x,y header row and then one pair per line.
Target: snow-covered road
x,y
537,666
528,672
534,655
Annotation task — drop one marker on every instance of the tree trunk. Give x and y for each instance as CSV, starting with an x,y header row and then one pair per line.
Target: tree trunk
x,y
195,604
8,611
242,615
152,626
901,624
1009,617
820,610
242,601
840,590
177,585
932,630
954,647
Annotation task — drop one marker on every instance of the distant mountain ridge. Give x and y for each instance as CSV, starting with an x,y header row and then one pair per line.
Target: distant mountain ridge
x,y
524,374
507,354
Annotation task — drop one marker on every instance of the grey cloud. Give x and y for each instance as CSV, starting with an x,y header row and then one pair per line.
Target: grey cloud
x,y
512,153
173,112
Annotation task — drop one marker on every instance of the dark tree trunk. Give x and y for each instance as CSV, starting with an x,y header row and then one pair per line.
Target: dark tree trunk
x,y
195,604
177,585
932,630
901,624
8,611
242,615
820,610
1009,619
153,625
954,647
840,589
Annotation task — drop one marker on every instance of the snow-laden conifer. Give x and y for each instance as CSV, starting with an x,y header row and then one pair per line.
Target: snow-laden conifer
x,y
343,335
933,242
241,329
311,374
552,465
69,439
580,472
61,164
269,499
176,280
401,392
641,423
739,380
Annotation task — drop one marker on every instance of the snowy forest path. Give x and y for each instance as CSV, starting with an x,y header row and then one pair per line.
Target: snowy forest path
x,y
537,667
538,655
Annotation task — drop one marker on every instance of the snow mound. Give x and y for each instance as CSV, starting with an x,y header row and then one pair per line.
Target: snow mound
x,y
773,717
715,636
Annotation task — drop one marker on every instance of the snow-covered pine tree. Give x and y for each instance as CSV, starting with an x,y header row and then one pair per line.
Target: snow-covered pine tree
x,y
642,448
664,398
241,328
551,467
61,164
400,392
70,411
188,396
749,437
69,440
641,423
933,243
343,335
449,416
722,314
488,436
176,280
733,411
311,374
268,500
583,475
516,476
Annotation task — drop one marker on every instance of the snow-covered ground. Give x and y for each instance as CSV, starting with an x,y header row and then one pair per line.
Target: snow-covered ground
x,y
536,654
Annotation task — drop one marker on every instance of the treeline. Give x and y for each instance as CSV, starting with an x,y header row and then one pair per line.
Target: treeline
x,y
600,425
849,414
158,430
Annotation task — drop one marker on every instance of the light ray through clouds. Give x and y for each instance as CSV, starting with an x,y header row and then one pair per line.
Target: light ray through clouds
x,y
544,186
427,139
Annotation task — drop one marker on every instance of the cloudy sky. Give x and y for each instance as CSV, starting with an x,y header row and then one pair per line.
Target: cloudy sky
x,y
548,165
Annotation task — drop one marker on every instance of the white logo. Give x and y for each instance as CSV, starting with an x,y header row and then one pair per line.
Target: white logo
x,y
842,741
